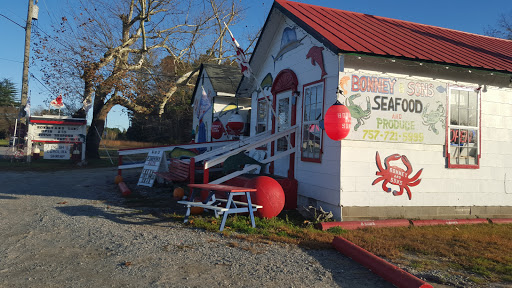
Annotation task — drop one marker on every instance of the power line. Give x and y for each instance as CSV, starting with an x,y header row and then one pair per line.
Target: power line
x,y
11,60
49,90
22,27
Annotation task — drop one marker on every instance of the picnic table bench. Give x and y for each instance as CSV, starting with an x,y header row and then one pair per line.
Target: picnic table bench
x,y
231,206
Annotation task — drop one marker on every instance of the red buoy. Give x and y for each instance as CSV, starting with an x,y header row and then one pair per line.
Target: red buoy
x,y
125,191
235,124
217,129
337,121
270,195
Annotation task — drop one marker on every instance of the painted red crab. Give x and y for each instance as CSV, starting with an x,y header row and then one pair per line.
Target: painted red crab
x,y
396,175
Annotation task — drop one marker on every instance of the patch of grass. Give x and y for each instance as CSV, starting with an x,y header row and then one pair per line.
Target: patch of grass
x,y
483,249
4,142
45,165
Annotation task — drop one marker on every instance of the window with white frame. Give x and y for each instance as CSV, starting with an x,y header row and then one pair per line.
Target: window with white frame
x,y
262,116
312,108
464,128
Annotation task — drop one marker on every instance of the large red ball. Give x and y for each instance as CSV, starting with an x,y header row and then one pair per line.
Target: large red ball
x,y
337,121
270,195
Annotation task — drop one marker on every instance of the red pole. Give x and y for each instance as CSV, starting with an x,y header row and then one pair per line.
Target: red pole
x,y
192,174
206,179
384,269
120,162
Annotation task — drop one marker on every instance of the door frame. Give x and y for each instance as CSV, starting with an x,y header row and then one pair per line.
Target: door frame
x,y
285,80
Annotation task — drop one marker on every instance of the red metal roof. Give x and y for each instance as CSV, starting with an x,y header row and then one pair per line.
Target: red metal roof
x,y
351,32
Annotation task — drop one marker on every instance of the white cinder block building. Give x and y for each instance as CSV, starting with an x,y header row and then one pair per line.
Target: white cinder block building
x,y
431,111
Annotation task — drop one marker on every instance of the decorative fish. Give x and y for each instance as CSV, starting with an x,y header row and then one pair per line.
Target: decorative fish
x,y
288,43
441,89
267,81
315,53
231,107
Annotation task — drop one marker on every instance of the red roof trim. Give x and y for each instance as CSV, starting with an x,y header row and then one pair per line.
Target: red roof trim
x,y
61,122
351,32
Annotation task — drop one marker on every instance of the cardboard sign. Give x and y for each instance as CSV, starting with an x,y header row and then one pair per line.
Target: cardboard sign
x,y
56,151
155,162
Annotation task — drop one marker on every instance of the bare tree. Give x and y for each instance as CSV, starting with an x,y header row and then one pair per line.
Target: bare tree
x,y
103,46
503,28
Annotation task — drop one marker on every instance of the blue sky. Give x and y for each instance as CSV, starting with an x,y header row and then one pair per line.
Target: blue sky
x,y
469,16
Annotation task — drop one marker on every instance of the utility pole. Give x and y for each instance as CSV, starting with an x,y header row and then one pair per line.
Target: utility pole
x,y
31,14
26,56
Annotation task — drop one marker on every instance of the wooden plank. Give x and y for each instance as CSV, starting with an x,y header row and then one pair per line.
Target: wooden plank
x,y
219,187
256,206
250,146
230,176
205,206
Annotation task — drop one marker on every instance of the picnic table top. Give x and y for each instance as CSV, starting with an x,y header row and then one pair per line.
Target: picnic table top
x,y
220,187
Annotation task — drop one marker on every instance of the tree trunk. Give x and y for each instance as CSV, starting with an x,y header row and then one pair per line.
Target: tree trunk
x,y
93,139
99,116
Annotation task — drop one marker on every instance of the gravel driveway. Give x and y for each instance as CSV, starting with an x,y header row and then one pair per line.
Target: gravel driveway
x,y
72,229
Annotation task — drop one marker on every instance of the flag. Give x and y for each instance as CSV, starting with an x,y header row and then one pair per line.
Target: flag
x,y
57,102
204,104
87,105
27,107
241,59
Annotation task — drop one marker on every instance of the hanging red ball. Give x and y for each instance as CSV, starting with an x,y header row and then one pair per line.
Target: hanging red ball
x,y
337,121
217,129
235,124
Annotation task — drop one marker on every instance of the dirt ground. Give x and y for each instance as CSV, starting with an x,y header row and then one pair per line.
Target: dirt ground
x,y
73,229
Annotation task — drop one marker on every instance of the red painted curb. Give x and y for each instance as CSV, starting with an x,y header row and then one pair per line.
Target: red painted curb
x,y
382,268
352,225
448,222
125,191
501,220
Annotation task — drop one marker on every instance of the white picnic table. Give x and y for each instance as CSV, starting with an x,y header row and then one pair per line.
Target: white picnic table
x,y
214,204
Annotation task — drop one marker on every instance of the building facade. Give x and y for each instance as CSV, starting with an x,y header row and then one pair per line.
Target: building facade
x,y
429,106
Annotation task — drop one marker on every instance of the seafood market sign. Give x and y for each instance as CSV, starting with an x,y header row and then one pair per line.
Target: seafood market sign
x,y
57,134
391,109
47,129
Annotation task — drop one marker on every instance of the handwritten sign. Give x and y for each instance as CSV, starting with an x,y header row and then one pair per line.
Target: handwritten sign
x,y
56,151
155,162
393,109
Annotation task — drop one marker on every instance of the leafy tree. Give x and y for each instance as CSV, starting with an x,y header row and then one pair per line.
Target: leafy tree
x,y
103,48
8,93
503,28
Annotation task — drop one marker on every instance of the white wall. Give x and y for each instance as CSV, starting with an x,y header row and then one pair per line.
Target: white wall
x,y
318,181
490,185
